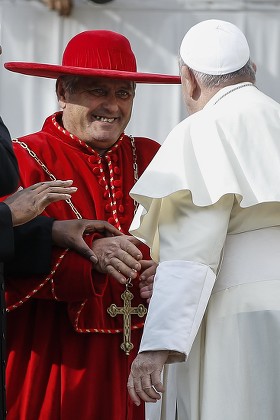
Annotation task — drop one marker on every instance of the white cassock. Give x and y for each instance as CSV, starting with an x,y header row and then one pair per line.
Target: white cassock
x,y
210,212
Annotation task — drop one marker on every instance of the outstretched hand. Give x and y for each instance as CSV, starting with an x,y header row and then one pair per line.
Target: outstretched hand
x,y
69,234
27,203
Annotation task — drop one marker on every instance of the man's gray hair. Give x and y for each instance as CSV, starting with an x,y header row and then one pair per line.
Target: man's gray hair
x,y
209,81
71,82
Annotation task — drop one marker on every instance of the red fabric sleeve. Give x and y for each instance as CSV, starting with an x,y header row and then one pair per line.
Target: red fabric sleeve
x,y
71,280
75,279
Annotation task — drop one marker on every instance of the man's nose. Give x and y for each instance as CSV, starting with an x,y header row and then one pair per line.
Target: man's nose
x,y
111,102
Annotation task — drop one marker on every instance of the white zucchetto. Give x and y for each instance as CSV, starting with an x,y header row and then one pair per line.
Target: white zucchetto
x,y
215,47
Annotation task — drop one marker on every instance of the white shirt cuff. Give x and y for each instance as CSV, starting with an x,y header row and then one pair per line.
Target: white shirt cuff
x,y
181,292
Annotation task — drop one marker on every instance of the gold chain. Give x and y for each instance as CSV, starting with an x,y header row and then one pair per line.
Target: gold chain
x,y
135,167
53,178
127,310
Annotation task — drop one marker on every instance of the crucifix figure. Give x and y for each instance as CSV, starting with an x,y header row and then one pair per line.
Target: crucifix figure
x,y
127,310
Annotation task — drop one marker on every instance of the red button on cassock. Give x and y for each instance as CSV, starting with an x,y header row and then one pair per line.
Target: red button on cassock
x,y
114,158
102,182
96,170
119,195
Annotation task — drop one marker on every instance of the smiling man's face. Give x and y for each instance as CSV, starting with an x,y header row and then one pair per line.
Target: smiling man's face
x,y
98,111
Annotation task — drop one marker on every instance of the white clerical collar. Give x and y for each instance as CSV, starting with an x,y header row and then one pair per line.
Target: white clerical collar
x,y
226,91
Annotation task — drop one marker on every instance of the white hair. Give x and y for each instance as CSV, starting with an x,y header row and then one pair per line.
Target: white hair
x,y
209,81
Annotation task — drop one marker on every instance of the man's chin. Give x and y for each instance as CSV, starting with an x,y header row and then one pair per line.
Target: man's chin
x,y
103,142
110,135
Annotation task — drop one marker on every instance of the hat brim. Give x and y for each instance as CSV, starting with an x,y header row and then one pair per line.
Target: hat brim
x,y
54,71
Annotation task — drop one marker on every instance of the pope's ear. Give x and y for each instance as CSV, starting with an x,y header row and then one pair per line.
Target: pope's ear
x,y
254,67
188,80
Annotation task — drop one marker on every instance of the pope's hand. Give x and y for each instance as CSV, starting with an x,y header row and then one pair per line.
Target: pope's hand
x,y
144,382
27,203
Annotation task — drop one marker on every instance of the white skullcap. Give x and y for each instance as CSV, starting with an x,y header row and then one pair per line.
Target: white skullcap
x,y
215,47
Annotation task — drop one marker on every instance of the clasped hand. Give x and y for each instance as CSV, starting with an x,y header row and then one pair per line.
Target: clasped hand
x,y
118,256
147,279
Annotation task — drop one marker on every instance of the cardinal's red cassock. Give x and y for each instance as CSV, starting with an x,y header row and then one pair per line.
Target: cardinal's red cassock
x,y
64,359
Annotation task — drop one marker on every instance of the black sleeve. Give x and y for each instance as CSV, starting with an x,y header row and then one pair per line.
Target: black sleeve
x,y
9,176
33,247
29,245
6,234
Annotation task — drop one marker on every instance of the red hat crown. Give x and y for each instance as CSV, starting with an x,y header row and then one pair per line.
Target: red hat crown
x,y
97,53
100,49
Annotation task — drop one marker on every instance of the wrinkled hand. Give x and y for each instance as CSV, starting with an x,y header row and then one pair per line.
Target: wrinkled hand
x,y
63,7
69,234
118,256
144,381
28,203
147,279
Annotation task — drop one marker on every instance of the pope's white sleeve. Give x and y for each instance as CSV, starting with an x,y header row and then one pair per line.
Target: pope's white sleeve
x,y
191,240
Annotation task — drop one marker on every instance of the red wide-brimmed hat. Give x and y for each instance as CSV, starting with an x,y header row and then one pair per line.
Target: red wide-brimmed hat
x,y
97,53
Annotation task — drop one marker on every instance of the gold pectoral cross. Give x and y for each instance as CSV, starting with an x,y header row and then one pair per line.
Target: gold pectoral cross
x,y
127,310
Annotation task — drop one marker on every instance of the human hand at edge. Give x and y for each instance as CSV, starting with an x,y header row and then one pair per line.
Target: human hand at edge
x,y
27,203
62,7
69,234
